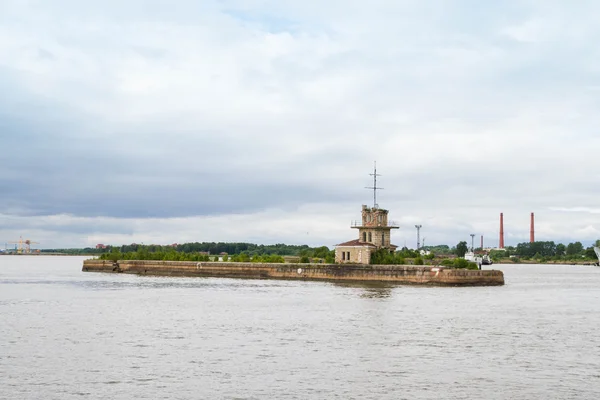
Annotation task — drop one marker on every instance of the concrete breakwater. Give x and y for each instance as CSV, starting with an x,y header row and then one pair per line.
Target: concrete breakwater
x,y
403,274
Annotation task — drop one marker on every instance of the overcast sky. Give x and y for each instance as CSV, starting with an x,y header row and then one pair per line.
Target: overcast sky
x,y
259,120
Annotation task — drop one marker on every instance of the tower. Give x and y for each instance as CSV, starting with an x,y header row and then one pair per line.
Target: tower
x,y
472,242
501,244
418,235
531,230
374,232
375,227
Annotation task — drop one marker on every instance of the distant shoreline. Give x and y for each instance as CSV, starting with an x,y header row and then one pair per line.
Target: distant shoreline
x,y
551,262
51,254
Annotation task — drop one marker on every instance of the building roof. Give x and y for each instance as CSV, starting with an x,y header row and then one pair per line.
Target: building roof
x,y
356,242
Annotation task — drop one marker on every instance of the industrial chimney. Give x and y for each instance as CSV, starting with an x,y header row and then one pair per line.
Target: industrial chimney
x,y
501,244
532,231
481,242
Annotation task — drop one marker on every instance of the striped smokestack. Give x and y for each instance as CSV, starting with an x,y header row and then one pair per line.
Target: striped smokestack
x,y
501,244
532,230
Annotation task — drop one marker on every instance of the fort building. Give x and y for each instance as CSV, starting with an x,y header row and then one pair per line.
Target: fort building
x,y
374,233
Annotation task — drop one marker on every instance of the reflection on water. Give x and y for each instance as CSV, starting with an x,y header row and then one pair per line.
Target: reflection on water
x,y
376,293
69,334
369,290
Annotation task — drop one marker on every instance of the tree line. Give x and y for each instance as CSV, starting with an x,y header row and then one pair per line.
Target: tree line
x,y
540,250
196,251
213,248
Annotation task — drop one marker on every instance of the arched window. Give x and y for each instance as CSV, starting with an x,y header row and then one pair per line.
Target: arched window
x,y
364,236
370,237
383,239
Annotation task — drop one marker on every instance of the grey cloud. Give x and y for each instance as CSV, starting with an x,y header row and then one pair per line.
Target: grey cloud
x,y
54,174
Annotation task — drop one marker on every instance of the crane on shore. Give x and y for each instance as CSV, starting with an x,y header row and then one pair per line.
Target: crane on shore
x,y
24,245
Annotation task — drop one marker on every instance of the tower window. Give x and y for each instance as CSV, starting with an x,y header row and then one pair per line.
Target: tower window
x,y
364,236
370,237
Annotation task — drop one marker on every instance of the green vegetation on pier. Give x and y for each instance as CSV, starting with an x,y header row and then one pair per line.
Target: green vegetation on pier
x,y
245,252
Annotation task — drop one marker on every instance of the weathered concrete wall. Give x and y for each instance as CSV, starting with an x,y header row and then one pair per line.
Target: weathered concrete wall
x,y
358,254
347,272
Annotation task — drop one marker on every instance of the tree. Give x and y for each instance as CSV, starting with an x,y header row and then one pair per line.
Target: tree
x,y
543,249
590,253
461,248
560,249
321,252
574,248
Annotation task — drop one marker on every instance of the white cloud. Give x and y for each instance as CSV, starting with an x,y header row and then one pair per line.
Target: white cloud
x,y
589,210
223,112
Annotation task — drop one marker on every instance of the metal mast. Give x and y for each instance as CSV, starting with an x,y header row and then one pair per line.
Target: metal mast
x,y
418,236
374,187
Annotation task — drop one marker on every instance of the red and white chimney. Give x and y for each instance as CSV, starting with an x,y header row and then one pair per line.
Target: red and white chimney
x,y
531,230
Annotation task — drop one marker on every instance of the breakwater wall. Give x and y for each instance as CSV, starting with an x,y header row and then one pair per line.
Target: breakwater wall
x,y
403,274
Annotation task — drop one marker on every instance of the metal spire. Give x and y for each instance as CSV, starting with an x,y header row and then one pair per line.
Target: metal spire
x,y
374,187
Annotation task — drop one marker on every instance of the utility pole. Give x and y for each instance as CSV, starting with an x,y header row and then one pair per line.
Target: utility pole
x,y
418,236
472,242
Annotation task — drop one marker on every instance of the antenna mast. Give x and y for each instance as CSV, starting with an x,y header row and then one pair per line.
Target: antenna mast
x,y
374,187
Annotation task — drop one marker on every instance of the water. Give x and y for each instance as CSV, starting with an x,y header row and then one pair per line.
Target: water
x,y
67,334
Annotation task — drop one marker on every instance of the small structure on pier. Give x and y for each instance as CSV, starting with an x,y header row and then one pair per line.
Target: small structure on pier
x,y
374,233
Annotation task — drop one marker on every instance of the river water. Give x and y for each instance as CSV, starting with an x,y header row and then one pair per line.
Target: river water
x,y
68,334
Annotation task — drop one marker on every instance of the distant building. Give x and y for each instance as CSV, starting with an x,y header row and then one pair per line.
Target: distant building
x,y
488,249
100,246
374,232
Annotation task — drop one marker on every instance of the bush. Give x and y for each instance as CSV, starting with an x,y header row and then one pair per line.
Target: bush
x,y
460,263
419,261
446,262
384,256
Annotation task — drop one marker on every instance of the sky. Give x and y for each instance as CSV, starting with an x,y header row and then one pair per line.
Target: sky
x,y
260,120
